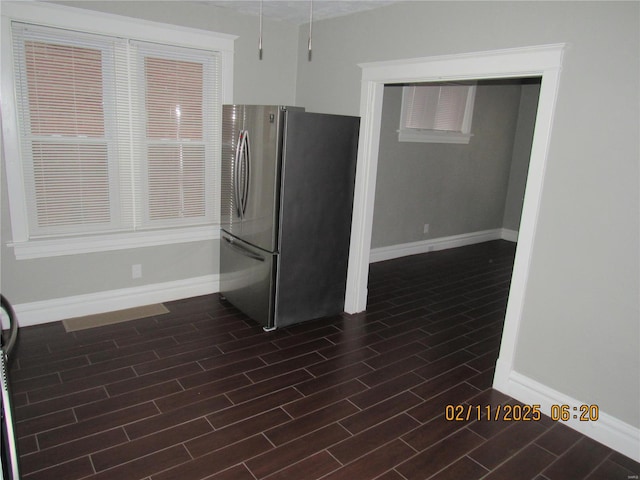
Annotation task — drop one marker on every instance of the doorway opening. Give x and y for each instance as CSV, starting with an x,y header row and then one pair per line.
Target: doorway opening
x,y
543,62
434,193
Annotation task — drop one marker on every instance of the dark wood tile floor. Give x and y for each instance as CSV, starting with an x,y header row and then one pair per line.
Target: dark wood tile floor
x,y
202,392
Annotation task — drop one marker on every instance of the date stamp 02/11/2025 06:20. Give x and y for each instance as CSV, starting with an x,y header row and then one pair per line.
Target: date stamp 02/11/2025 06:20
x,y
519,413
522,413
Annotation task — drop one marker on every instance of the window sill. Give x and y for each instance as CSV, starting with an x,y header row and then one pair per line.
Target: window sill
x,y
424,136
118,241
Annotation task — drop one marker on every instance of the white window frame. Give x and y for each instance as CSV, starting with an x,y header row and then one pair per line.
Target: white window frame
x,y
463,136
58,16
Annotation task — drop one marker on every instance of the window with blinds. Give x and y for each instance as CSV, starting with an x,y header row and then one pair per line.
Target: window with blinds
x,y
115,135
436,113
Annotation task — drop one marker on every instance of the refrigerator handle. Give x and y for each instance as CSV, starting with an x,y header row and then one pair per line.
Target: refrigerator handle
x,y
247,173
242,250
236,173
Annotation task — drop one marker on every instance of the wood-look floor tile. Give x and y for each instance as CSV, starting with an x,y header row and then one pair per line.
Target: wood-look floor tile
x,y
464,468
262,404
169,419
336,362
311,468
445,364
99,407
40,460
238,472
389,372
216,461
609,469
147,465
558,439
430,433
333,378
493,452
73,470
97,368
396,355
626,462
380,412
375,463
323,398
525,464
34,410
138,382
284,367
62,389
236,432
577,462
373,438
310,422
264,387
120,454
94,425
290,453
443,382
440,455
436,405
202,392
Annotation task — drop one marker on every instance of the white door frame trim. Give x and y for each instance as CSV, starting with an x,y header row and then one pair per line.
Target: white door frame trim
x,y
540,61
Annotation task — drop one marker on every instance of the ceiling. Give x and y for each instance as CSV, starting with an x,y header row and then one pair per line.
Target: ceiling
x,y
298,11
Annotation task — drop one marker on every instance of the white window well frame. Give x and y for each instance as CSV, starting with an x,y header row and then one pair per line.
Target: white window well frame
x,y
85,21
461,135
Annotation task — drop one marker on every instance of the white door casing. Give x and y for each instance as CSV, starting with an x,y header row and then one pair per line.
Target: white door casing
x,y
543,61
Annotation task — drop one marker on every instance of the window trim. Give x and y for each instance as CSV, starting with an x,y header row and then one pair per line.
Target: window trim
x,y
58,16
439,136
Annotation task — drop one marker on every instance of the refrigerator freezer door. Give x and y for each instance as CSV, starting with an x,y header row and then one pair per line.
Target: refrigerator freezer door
x,y
318,178
247,278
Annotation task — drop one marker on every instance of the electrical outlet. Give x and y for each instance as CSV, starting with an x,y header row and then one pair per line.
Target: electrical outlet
x,y
136,271
426,228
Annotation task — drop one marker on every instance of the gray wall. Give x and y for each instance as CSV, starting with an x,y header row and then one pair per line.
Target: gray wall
x,y
25,281
456,189
579,331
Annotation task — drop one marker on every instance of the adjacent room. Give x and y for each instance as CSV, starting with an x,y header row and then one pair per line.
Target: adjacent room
x,y
491,281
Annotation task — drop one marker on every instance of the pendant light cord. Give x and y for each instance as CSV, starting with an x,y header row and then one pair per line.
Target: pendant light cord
x,y
260,39
310,26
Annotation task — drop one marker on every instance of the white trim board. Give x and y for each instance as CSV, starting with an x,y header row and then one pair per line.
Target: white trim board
x,y
380,254
607,430
44,311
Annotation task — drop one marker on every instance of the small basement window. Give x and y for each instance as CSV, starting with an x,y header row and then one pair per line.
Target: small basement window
x,y
436,113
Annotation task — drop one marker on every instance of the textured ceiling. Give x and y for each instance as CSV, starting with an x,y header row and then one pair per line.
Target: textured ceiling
x,y
298,11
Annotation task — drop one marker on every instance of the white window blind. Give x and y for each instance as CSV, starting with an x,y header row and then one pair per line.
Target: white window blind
x,y
116,135
177,134
63,82
437,113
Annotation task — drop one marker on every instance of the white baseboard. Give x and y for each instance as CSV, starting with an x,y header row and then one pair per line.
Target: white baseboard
x,y
608,430
44,311
396,251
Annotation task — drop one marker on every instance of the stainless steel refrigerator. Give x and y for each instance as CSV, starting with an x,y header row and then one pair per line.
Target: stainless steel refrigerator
x,y
287,197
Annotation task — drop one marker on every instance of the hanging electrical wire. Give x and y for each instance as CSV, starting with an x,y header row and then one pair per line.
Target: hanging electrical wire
x,y
260,39
310,26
